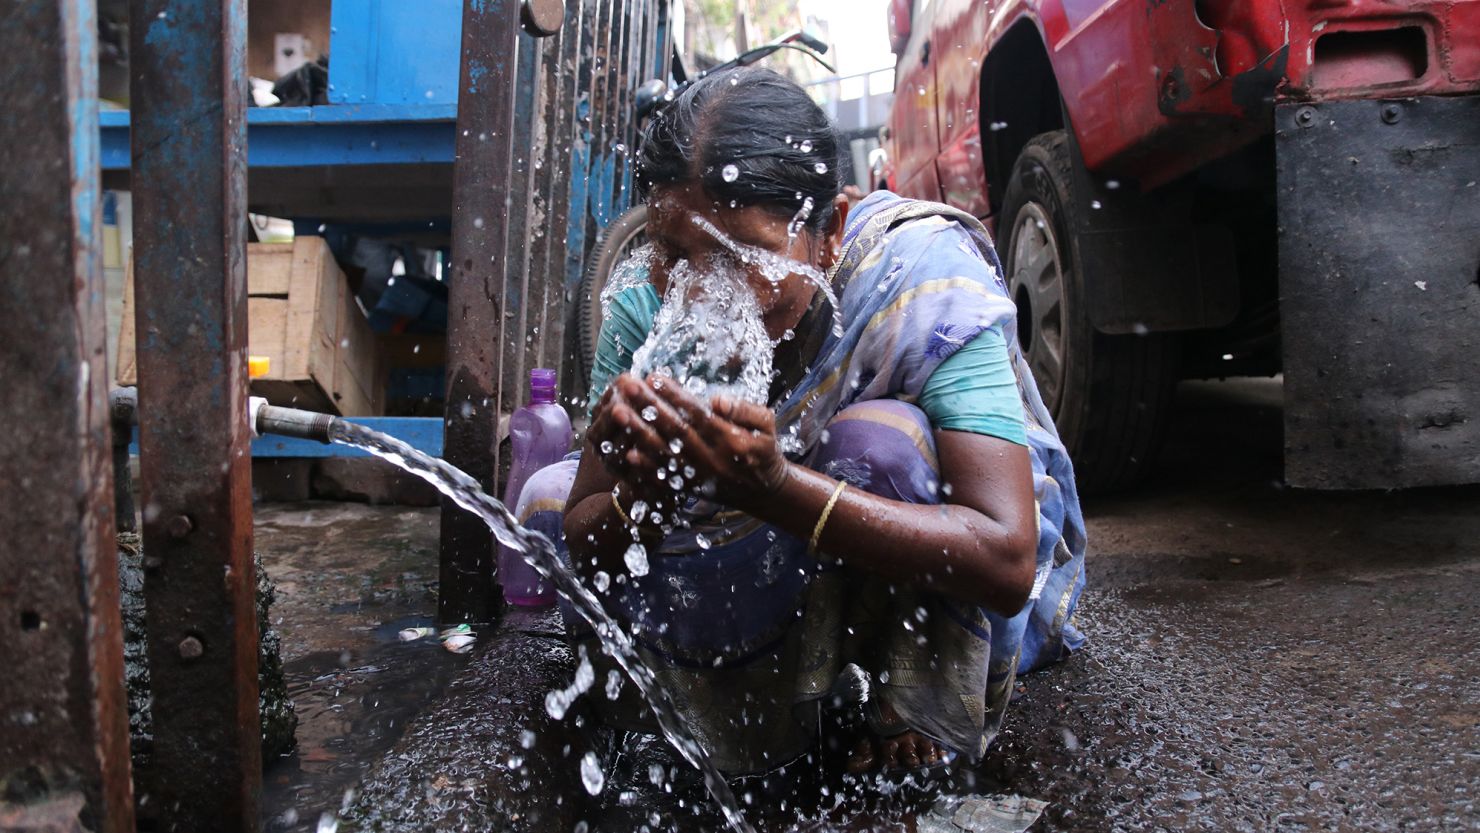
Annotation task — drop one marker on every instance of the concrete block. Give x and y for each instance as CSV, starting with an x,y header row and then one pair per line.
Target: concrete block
x,y
282,480
371,481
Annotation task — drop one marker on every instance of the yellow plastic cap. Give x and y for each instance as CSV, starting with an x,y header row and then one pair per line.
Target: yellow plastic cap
x,y
258,366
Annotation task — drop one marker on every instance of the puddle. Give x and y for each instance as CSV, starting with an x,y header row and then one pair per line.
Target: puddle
x,y
352,708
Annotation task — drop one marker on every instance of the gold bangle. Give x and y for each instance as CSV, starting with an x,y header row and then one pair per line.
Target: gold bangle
x,y
621,513
826,511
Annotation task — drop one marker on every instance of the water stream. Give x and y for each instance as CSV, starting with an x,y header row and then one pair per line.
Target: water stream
x,y
540,553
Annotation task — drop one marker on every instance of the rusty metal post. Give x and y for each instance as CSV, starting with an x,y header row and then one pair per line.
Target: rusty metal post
x,y
63,719
480,228
188,90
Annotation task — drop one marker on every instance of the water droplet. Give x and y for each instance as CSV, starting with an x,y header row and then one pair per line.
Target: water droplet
x,y
675,445
591,776
997,125
602,580
703,542
689,472
1112,184
613,684
477,222
730,173
820,167
636,559
639,511
806,146
675,482
1095,204
649,413
607,447
656,775
526,739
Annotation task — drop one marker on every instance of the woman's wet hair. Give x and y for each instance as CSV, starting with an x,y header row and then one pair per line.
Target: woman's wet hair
x,y
751,137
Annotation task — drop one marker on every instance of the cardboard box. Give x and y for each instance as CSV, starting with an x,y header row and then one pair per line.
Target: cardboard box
x,y
303,317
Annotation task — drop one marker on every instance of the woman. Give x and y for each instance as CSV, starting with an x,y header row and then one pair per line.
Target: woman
x,y
921,523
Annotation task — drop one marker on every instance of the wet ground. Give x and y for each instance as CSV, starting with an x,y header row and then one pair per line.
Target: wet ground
x,y
1260,659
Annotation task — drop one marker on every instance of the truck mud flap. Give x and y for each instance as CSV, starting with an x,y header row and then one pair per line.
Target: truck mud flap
x,y
1379,214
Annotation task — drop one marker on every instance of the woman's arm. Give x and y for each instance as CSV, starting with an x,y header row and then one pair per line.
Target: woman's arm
x,y
980,547
597,536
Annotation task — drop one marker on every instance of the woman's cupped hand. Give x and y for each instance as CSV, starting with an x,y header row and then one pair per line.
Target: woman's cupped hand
x,y
724,449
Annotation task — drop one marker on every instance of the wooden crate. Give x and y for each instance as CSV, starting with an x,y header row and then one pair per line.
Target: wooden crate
x,y
303,317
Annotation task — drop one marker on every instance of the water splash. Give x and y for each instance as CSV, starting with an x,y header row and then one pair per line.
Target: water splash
x,y
633,270
537,550
709,336
800,220
776,268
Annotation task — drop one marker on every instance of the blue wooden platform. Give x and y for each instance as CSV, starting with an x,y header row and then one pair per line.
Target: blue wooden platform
x,y
422,433
327,135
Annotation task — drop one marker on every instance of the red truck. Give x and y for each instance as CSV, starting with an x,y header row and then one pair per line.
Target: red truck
x,y
1200,188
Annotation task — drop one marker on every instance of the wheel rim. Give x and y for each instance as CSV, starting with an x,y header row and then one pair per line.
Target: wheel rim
x,y
1037,286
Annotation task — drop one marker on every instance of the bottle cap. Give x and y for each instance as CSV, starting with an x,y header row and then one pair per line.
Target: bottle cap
x,y
542,386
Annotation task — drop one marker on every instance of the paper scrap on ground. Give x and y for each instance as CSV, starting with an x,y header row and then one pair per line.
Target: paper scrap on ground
x,y
982,814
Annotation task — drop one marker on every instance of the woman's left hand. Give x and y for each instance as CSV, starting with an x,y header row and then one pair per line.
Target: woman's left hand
x,y
730,444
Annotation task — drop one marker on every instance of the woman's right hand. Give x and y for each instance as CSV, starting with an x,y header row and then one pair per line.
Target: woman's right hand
x,y
613,441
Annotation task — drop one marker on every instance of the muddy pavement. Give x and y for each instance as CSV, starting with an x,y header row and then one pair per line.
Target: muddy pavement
x,y
1260,659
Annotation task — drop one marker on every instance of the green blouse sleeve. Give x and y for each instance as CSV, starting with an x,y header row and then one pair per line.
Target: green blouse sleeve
x,y
975,390
632,313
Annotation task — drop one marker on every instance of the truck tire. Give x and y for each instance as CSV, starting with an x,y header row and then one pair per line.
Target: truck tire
x,y
616,241
1109,394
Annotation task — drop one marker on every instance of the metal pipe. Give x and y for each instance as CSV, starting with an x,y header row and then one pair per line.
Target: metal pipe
x,y
291,422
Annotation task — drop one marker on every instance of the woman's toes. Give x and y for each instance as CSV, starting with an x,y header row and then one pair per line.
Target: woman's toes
x,y
890,754
863,757
909,754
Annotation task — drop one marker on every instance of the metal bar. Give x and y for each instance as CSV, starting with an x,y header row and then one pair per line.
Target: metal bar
x,y
569,261
480,229
578,235
620,142
63,720
188,91
601,91
513,334
547,285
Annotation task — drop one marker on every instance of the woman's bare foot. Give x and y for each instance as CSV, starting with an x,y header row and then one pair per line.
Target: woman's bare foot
x,y
907,750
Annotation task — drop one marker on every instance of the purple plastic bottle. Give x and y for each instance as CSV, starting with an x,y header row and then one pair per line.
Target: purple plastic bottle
x,y
540,434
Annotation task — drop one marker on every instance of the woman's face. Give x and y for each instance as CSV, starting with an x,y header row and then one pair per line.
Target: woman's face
x,y
684,223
